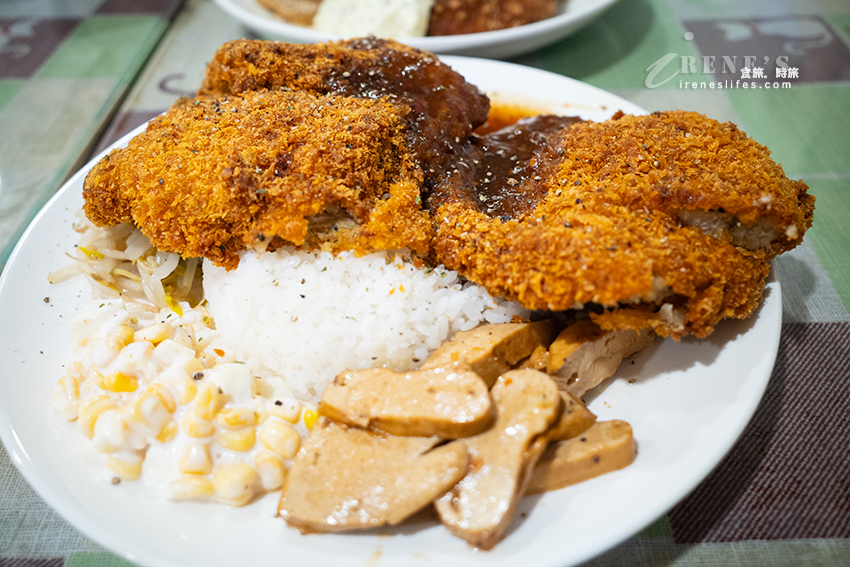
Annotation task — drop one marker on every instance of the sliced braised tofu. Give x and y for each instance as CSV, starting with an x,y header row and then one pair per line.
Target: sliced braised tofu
x,y
583,355
574,419
537,360
451,402
492,350
347,478
606,446
479,508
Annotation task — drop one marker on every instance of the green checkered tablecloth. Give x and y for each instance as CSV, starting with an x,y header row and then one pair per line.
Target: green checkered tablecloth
x,y
781,497
64,69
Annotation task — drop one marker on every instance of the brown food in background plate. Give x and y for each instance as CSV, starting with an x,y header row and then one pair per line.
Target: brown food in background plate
x,y
299,12
452,17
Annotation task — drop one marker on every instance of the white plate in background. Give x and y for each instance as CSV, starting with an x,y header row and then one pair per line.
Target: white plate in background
x,y
571,16
688,403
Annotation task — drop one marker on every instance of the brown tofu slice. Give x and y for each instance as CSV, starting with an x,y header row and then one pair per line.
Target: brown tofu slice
x,y
606,446
574,419
347,478
449,402
480,507
492,350
583,355
537,360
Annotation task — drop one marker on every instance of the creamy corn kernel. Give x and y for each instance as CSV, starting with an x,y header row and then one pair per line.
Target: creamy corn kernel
x,y
236,440
116,382
234,483
236,417
147,413
111,431
191,487
193,365
270,469
66,397
121,337
311,416
168,432
280,438
181,383
207,402
90,411
155,334
197,428
126,467
286,408
139,388
260,412
184,337
196,459
165,397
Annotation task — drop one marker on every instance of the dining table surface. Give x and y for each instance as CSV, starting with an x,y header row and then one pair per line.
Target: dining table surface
x,y
77,75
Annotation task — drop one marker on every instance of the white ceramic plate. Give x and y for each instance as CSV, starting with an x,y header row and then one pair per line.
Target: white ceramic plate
x,y
688,404
571,16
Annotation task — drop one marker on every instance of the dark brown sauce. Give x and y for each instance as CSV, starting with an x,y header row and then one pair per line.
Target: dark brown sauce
x,y
508,183
443,107
499,171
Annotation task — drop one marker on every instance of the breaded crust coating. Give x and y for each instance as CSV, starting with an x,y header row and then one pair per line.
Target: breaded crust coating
x,y
443,109
607,230
684,164
216,176
567,257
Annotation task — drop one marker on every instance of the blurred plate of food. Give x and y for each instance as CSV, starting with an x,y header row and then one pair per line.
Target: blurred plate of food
x,y
687,402
495,29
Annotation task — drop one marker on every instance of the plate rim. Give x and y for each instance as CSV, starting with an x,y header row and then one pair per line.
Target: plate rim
x,y
437,44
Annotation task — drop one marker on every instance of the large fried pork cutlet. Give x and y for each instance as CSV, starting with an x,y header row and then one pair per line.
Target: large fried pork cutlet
x,y
216,176
598,214
452,17
443,109
665,221
281,135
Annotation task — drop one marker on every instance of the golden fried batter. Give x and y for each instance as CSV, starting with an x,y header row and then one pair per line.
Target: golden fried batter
x,y
443,109
607,230
281,133
684,164
216,176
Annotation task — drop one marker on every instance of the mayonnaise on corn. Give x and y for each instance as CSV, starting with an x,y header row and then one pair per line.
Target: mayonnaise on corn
x,y
161,398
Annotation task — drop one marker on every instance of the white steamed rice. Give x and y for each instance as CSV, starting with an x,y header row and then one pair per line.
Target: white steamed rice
x,y
306,317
